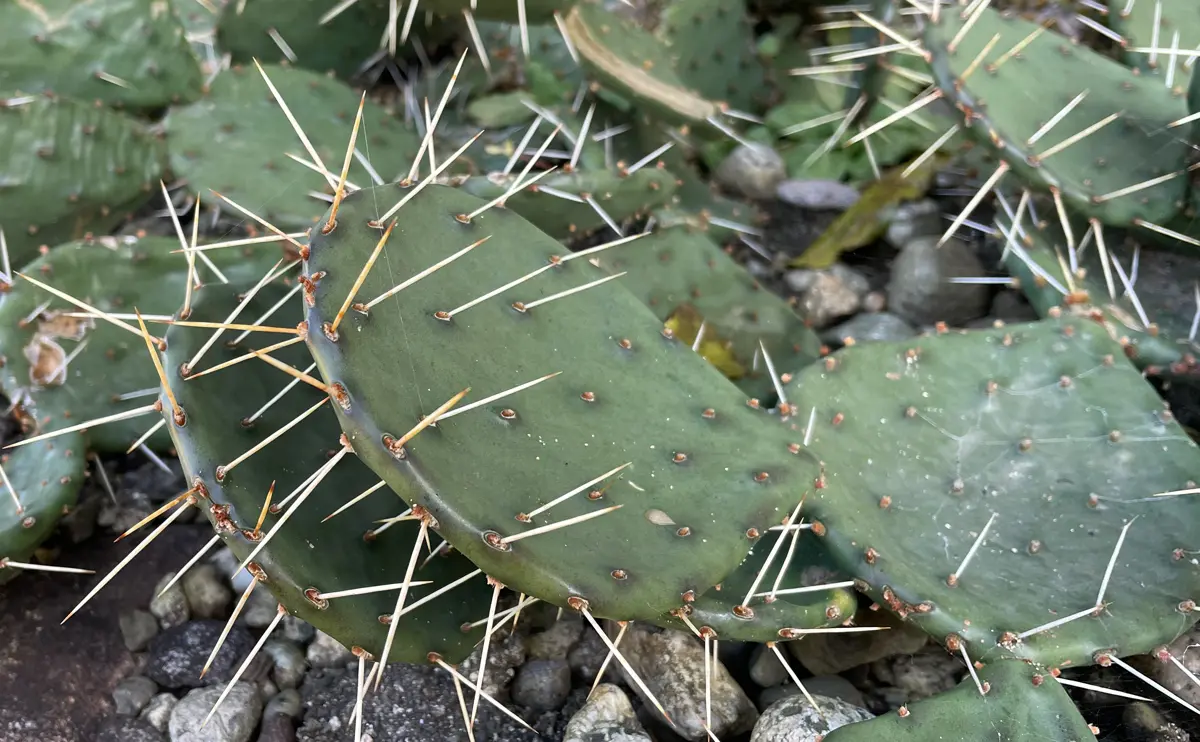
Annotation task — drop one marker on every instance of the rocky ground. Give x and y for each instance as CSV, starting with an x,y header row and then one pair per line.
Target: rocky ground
x,y
127,667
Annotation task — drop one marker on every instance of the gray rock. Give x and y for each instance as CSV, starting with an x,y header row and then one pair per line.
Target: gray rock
x,y
234,721
289,662
123,729
225,562
542,685
831,294
606,717
288,703
793,719
506,653
921,675
765,668
297,630
171,607
208,594
555,643
279,718
325,651
133,694
830,654
820,195
414,702
1010,306
1145,723
832,686
587,657
137,629
177,655
158,712
80,523
1169,675
913,220
920,290
874,301
260,609
871,327
753,171
671,664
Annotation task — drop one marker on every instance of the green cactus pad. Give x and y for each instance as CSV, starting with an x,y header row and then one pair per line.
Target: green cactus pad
x,y
305,553
621,197
635,65
123,52
1086,291
46,476
678,273
67,169
713,45
113,276
1047,427
339,46
704,473
1023,704
1133,149
536,11
1136,22
771,618
236,139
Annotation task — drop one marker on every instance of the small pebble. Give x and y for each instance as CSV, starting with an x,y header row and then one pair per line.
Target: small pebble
x,y
793,719
235,719
752,170
170,607
138,627
289,662
819,195
542,685
133,694
326,652
208,594
158,712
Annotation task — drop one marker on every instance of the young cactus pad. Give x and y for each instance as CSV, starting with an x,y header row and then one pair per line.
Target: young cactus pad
x,y
1022,704
123,52
67,169
107,362
578,404
41,481
302,557
1116,139
979,484
235,141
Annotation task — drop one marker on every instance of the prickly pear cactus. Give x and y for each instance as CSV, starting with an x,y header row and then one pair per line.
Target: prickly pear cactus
x,y
713,45
299,557
68,169
235,141
686,280
123,52
559,204
1158,25
1037,451
40,484
1022,703
589,417
534,11
1111,156
63,370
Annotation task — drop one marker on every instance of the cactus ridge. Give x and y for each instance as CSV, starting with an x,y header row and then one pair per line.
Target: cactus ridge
x,y
1096,175
1046,433
46,477
658,429
306,556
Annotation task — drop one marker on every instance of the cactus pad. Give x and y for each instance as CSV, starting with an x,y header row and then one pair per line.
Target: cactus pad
x,y
1155,25
1023,704
125,52
113,276
713,45
46,477
67,169
634,419
1048,428
236,139
1097,174
306,554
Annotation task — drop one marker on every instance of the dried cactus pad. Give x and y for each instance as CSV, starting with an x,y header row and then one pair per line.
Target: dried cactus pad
x,y
305,557
45,477
1023,704
105,375
122,52
1111,172
69,168
236,139
633,417
1045,431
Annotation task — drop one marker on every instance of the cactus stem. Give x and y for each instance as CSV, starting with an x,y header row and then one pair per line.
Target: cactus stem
x,y
266,225
179,510
792,673
10,564
1125,666
357,499
525,307
303,495
126,415
952,580
223,471
16,498
437,660
164,508
85,306
340,193
408,574
483,657
629,671
237,611
986,188
312,152
246,663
